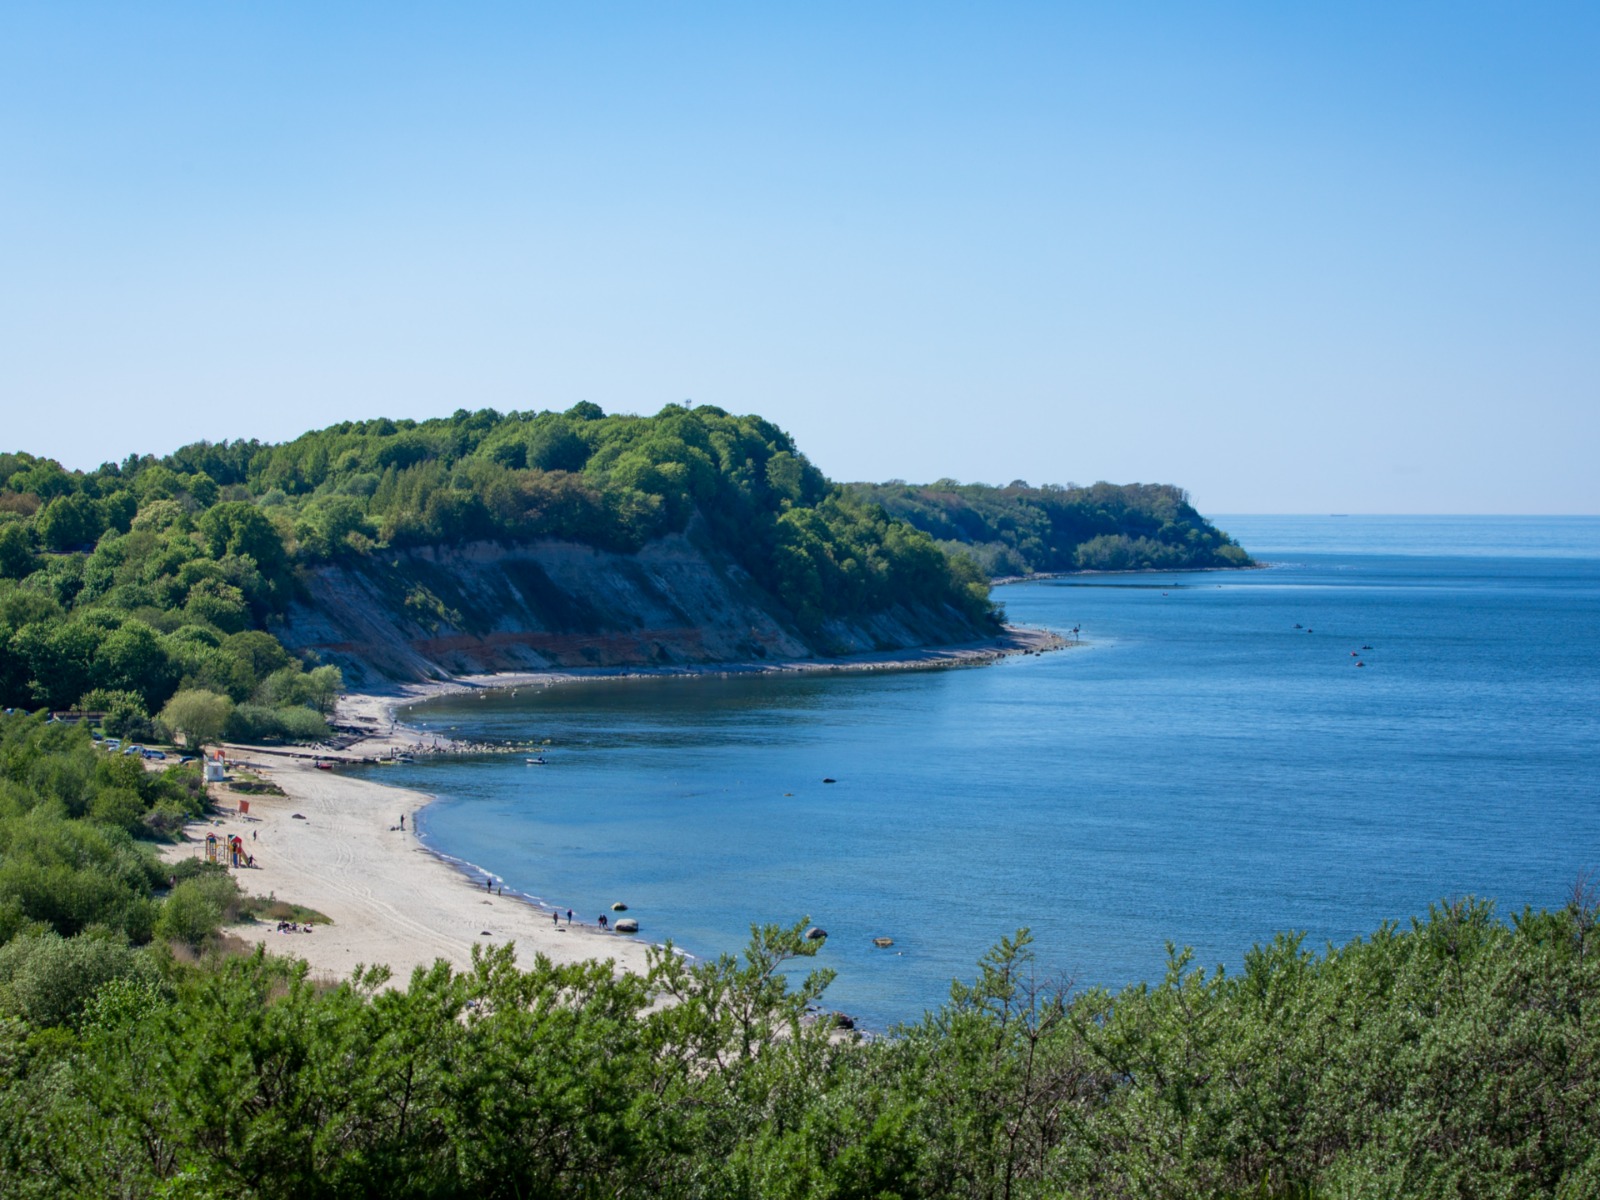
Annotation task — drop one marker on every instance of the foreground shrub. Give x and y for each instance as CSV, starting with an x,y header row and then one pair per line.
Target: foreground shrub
x,y
48,979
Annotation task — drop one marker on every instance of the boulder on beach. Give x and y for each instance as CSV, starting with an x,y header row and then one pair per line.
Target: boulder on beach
x,y
626,925
815,934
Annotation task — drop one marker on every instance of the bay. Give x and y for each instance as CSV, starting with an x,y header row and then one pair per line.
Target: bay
x,y
1198,770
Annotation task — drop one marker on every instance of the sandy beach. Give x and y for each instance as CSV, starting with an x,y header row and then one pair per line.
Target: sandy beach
x,y
391,900
333,842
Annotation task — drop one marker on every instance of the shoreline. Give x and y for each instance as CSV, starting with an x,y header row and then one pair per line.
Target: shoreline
x,y
371,715
334,843
1041,576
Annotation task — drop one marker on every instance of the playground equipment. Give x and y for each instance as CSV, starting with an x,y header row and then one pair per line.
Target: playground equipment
x,y
227,851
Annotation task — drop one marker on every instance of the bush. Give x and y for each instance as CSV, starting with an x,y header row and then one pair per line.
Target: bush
x,y
119,807
193,911
260,723
48,979
166,820
200,715
125,713
195,868
70,875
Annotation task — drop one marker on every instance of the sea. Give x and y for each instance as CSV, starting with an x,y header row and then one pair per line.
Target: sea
x,y
1391,713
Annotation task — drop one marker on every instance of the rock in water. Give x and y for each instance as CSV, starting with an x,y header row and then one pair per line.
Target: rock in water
x,y
883,942
814,934
626,925
619,906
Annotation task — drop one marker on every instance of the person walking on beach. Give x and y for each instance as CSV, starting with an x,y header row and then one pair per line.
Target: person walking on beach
x,y
402,820
602,920
555,919
569,918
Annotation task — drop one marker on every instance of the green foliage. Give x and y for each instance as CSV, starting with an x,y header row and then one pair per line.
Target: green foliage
x,y
1450,1058
69,819
148,572
200,716
123,714
1017,529
68,522
1453,1058
264,723
196,908
17,559
153,567
267,908
48,980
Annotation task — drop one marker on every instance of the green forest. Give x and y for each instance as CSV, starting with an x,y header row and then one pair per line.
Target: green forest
x,y
144,1053
124,587
1022,530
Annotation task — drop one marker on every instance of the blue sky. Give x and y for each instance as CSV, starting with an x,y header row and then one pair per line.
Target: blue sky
x,y
1296,258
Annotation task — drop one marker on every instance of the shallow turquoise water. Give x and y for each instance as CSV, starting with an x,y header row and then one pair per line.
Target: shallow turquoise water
x,y
1199,770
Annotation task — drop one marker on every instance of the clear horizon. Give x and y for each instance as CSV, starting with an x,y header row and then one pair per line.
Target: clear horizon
x,y
1294,260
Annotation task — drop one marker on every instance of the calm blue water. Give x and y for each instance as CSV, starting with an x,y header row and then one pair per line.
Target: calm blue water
x,y
1199,770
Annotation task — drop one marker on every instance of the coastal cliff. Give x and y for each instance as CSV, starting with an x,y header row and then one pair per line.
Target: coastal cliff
x,y
428,612
237,574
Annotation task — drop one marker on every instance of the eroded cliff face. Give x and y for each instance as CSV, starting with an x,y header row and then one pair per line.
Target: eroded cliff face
x,y
426,613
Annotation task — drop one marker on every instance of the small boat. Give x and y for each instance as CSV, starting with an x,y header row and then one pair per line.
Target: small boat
x,y
536,761
323,766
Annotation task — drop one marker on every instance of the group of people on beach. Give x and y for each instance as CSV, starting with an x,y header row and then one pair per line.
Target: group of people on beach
x,y
293,927
555,919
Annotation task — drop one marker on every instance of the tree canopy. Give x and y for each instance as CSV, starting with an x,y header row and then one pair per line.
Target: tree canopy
x,y
154,574
1019,530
